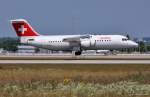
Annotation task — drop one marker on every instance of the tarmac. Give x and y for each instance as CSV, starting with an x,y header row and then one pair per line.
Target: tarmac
x,y
69,59
59,62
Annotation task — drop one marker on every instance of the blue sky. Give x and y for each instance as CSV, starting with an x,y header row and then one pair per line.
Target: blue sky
x,y
78,16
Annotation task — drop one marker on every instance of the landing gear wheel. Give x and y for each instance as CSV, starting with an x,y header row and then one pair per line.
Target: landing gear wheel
x,y
78,53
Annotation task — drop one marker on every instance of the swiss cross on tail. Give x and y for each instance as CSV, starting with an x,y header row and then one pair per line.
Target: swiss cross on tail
x,y
23,28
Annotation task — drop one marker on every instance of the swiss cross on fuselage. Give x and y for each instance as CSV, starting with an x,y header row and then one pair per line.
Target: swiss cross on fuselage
x,y
22,29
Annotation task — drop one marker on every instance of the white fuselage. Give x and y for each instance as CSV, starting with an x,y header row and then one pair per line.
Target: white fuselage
x,y
95,42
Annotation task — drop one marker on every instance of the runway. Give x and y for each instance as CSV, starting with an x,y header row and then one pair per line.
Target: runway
x,y
68,59
58,62
82,57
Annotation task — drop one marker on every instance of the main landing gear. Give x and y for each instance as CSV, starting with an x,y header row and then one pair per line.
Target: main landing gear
x,y
78,53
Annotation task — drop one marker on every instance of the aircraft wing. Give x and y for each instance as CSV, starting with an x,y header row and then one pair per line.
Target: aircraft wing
x,y
76,38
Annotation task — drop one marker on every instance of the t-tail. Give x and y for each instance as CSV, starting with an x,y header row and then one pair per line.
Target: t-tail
x,y
23,28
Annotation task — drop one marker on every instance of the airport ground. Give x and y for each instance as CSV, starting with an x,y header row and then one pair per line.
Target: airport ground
x,y
75,80
69,59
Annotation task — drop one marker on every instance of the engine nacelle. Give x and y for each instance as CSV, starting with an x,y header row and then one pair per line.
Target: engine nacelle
x,y
85,43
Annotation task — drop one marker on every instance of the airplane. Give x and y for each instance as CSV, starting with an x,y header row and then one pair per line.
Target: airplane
x,y
74,43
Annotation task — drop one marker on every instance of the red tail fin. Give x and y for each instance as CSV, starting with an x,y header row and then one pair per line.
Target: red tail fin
x,y
23,28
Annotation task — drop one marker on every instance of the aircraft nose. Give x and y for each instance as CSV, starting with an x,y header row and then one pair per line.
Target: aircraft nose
x,y
133,44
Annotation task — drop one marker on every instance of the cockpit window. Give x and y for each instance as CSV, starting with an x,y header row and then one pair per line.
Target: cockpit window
x,y
124,39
